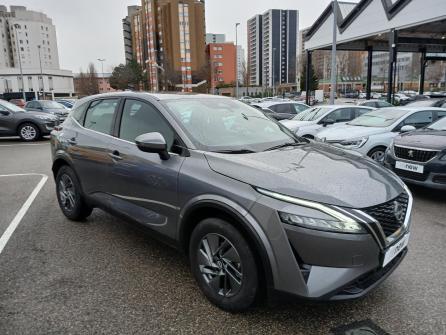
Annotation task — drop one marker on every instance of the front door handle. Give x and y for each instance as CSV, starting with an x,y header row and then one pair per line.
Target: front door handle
x,y
115,155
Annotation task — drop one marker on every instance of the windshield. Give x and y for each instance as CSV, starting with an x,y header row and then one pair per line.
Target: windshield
x,y
51,104
312,114
439,125
216,124
379,118
11,107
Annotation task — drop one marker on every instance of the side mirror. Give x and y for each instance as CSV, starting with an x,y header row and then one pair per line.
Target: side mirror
x,y
406,129
153,143
4,113
328,122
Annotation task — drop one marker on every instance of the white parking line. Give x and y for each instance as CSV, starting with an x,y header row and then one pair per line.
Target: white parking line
x,y
21,213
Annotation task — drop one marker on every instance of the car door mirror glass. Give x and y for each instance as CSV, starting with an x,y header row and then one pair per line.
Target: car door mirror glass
x,y
153,143
405,129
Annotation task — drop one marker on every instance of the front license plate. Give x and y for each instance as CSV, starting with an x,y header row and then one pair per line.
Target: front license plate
x,y
394,250
409,167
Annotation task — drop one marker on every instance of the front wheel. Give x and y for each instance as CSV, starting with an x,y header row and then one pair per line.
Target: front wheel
x,y
69,196
223,265
29,132
377,154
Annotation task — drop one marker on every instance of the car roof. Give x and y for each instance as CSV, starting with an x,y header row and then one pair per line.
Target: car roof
x,y
156,96
278,102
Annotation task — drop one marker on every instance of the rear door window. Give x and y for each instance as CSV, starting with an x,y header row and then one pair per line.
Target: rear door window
x,y
340,115
100,114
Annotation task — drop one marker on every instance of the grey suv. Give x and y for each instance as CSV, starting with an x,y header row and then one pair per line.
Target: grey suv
x,y
30,126
257,209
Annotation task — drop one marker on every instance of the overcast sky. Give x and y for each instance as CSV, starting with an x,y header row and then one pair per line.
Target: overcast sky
x,y
92,29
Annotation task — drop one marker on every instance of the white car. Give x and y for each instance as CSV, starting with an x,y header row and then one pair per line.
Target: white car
x,y
281,110
372,133
310,122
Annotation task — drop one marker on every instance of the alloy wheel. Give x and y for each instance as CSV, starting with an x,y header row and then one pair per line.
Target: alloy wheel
x,y
28,132
378,156
67,193
220,265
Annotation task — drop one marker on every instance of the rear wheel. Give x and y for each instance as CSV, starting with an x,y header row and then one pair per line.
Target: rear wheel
x,y
223,265
377,154
69,196
29,132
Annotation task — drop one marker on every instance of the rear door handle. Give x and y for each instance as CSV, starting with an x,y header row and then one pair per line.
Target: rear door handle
x,y
115,155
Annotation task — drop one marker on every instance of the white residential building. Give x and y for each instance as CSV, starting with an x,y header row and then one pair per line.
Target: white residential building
x,y
240,63
28,40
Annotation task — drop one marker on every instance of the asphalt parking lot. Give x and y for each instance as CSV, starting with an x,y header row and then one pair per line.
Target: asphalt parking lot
x,y
105,276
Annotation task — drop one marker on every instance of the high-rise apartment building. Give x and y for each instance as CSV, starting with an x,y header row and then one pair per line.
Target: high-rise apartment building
x,y
222,61
255,53
28,41
275,36
215,38
127,23
168,40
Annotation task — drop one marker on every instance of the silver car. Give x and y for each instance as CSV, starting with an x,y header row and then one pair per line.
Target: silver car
x,y
257,210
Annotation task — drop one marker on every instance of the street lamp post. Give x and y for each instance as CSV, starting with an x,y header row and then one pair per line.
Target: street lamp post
x,y
41,72
333,52
17,26
236,60
102,60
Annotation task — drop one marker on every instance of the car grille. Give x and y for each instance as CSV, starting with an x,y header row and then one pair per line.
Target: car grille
x,y
411,175
414,154
390,215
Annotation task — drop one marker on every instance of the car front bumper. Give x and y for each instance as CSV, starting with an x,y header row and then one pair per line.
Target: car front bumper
x,y
433,176
319,265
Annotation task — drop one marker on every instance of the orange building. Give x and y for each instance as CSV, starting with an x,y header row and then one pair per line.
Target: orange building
x,y
222,63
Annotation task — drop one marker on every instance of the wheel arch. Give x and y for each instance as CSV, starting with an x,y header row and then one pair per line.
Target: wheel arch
x,y
240,219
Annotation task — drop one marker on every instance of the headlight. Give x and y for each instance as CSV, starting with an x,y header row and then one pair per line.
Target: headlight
x,y
320,224
355,143
339,222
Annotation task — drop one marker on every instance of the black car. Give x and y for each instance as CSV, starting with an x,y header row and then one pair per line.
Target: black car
x,y
419,157
30,126
48,106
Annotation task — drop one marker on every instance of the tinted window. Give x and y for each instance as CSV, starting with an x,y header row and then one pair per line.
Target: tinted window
x,y
299,107
140,118
340,115
419,119
360,111
100,114
441,114
281,108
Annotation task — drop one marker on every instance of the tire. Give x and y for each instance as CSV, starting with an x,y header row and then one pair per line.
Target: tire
x,y
69,195
377,154
29,132
231,279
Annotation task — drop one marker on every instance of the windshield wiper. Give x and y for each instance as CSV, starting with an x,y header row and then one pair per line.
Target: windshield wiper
x,y
236,151
294,144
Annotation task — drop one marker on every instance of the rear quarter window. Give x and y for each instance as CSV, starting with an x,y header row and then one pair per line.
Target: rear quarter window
x,y
78,113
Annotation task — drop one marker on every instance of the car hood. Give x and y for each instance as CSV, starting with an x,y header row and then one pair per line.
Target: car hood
x,y
346,131
57,111
313,171
33,113
292,124
426,139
